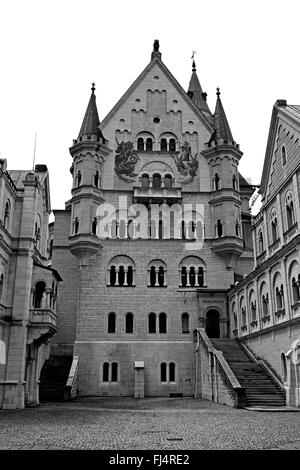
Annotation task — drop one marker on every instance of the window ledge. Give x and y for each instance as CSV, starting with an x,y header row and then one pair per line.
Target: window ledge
x,y
109,285
244,328
156,287
266,318
280,313
274,244
296,305
291,229
253,323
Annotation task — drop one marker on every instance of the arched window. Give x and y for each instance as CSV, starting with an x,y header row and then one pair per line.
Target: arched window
x,y
145,183
185,323
152,323
235,321
296,289
140,144
219,228
76,225
114,372
253,311
172,145
283,367
38,294
130,276
183,276
237,228
191,272
121,275
260,242
1,286
217,182
163,372
78,178
283,155
111,324
105,372
168,181
94,226
156,180
172,372
290,214
162,323
163,145
7,215
265,307
112,279
129,323
121,272
51,248
152,276
234,182
96,179
274,226
279,295
149,144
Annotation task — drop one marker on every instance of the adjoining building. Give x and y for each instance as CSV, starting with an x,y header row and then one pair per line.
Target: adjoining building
x,y
28,286
265,307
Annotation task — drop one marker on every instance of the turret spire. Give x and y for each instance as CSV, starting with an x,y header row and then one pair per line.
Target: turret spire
x,y
220,121
195,91
91,119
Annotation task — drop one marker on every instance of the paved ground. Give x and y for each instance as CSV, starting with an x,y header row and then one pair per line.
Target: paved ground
x,y
158,424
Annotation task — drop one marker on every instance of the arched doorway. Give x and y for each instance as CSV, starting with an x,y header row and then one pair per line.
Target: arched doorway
x,y
213,324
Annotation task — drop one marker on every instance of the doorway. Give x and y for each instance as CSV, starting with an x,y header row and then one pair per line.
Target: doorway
x,y
213,324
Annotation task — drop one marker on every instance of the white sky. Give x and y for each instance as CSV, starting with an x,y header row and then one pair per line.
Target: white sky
x,y
51,51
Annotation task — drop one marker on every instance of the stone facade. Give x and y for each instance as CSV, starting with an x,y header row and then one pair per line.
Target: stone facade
x,y
28,288
265,306
158,145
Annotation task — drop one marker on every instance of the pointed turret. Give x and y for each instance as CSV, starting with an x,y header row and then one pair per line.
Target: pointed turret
x,y
196,94
91,119
220,122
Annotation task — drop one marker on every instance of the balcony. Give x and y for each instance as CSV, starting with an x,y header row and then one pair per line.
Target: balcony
x,y
156,195
43,318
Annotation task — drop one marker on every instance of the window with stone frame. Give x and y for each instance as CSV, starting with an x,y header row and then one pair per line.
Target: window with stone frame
x,y
192,272
121,272
185,323
289,208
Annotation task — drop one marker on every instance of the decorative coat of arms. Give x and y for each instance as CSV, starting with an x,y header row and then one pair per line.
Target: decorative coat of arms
x,y
125,161
187,164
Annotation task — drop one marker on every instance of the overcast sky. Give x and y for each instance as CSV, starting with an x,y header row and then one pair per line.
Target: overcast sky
x,y
51,51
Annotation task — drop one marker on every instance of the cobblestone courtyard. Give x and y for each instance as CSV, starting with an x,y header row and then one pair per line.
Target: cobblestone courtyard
x,y
158,424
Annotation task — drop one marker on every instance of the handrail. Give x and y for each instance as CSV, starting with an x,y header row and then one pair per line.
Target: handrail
x,y
229,379
71,385
262,363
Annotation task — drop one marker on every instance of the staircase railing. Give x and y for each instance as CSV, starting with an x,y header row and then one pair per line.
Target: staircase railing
x,y
72,382
263,364
220,368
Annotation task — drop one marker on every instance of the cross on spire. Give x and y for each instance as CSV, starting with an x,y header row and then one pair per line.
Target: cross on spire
x,y
218,92
93,87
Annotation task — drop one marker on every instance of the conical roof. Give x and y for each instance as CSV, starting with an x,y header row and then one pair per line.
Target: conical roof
x,y
91,119
195,92
220,121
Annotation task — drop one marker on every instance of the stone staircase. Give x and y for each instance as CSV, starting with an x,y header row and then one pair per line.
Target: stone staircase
x,y
54,376
260,388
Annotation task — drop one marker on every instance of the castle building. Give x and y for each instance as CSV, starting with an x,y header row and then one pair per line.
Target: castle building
x,y
156,232
265,307
28,286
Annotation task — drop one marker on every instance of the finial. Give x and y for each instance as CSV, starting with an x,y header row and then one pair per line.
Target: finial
x,y
218,92
193,66
93,87
156,45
